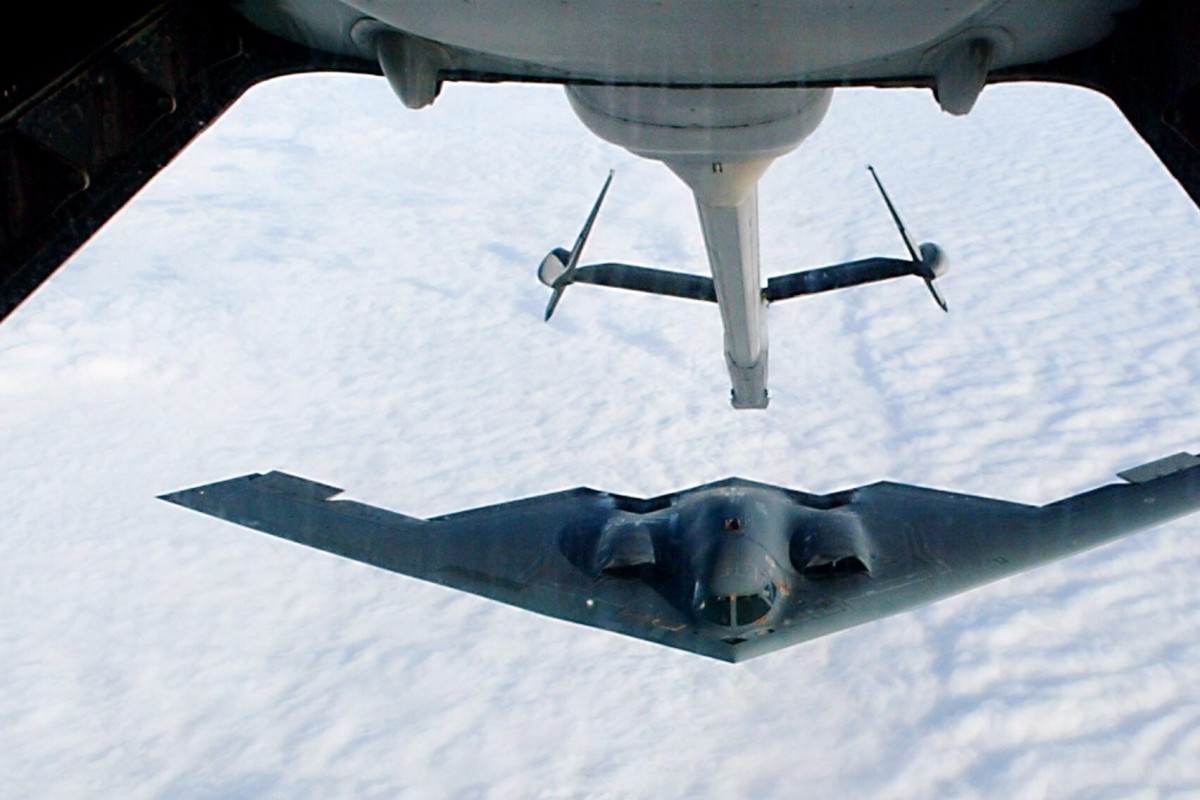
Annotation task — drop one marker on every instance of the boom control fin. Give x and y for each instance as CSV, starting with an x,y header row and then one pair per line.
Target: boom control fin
x,y
558,267
929,259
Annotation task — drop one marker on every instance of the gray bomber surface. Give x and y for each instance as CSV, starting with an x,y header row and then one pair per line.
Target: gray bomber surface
x,y
733,569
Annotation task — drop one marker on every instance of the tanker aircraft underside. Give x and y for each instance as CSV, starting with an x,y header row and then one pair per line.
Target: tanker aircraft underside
x,y
713,89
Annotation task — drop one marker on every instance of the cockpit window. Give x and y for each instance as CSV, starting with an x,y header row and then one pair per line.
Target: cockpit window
x,y
717,609
751,608
733,610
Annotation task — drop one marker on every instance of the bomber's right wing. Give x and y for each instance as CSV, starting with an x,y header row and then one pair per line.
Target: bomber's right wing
x,y
921,545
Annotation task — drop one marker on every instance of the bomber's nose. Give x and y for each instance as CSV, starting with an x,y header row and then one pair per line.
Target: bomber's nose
x,y
739,587
739,566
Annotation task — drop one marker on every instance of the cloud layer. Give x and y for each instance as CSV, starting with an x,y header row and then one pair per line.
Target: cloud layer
x,y
328,284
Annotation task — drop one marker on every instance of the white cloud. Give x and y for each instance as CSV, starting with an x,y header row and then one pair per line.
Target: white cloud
x,y
327,284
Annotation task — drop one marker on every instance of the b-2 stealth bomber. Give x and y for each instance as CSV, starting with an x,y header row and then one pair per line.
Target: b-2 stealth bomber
x,y
733,569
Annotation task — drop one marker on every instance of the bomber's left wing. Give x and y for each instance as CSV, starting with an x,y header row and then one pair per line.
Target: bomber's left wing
x,y
511,552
